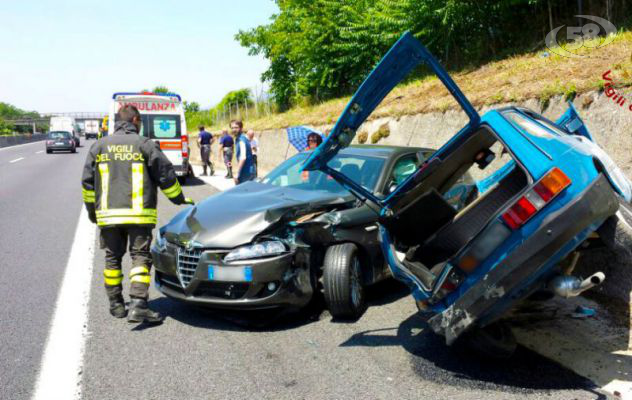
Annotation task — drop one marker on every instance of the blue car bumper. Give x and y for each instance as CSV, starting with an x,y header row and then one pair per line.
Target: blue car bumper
x,y
517,275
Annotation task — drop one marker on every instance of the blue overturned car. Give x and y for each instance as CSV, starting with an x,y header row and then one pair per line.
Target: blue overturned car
x,y
542,189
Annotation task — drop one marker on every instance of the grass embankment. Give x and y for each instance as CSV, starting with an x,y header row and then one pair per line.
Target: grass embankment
x,y
518,78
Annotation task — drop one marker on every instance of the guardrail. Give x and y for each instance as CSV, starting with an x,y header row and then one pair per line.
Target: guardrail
x,y
6,141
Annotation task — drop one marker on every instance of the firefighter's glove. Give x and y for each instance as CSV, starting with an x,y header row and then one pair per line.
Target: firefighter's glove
x,y
188,200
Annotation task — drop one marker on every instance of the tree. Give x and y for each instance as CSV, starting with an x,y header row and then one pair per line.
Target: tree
x,y
191,107
6,127
320,49
11,112
161,89
235,97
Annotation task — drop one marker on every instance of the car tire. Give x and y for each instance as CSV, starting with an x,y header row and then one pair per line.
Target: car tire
x,y
616,232
495,341
342,282
74,150
49,151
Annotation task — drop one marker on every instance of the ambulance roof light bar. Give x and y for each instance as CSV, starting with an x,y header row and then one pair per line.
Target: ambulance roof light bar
x,y
115,95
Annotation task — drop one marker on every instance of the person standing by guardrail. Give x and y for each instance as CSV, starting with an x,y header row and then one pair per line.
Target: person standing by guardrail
x,y
254,146
120,179
204,141
226,144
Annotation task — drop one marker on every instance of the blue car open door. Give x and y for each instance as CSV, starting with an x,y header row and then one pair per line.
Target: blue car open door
x,y
405,55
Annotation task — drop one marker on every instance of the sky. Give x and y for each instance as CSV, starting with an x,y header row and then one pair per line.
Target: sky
x,y
71,55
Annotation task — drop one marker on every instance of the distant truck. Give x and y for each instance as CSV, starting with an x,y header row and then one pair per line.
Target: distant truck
x,y
65,124
91,129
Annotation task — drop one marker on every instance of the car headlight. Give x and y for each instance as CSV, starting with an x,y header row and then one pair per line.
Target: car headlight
x,y
263,249
161,242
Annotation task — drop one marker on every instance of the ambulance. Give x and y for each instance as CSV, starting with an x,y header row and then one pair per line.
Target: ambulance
x,y
162,120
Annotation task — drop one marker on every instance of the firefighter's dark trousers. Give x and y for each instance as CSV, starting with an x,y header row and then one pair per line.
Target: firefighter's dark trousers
x,y
114,241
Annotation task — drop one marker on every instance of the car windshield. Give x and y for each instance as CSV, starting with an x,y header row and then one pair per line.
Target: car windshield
x,y
59,135
362,169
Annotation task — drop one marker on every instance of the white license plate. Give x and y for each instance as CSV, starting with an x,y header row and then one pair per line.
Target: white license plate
x,y
230,274
60,143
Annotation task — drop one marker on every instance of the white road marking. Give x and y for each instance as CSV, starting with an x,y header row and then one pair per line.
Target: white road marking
x,y
60,372
17,159
41,151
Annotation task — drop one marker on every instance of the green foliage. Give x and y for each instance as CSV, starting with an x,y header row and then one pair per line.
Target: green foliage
x,y
363,136
161,89
570,93
191,107
322,49
383,132
11,112
5,127
8,111
233,98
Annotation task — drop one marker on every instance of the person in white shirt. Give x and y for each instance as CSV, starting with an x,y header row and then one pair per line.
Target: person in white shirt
x,y
254,145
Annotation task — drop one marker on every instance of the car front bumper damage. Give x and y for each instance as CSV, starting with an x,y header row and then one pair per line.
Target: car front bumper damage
x,y
291,280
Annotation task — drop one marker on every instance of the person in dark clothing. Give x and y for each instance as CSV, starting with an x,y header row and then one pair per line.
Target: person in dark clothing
x,y
226,144
119,186
245,162
204,141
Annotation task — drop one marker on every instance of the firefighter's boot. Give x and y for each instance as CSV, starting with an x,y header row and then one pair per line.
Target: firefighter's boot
x,y
139,312
114,291
117,306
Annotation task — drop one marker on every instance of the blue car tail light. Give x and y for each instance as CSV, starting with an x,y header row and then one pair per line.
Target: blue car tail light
x,y
536,198
545,190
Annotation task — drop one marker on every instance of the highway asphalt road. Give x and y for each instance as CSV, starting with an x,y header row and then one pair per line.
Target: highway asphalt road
x,y
388,354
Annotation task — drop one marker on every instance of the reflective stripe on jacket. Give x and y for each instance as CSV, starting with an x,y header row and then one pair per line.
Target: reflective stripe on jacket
x,y
121,176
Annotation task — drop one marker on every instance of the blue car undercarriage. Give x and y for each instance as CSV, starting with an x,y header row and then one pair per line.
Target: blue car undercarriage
x,y
542,188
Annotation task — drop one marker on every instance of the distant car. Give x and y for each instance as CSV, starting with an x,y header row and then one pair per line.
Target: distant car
x,y
60,141
543,189
66,124
265,244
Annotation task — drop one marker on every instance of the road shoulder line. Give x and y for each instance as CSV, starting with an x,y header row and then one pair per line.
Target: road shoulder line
x,y
60,372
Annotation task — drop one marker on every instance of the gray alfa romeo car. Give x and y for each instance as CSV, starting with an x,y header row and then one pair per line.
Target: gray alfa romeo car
x,y
266,244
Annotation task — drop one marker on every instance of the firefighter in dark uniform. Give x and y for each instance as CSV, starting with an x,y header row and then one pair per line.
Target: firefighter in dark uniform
x,y
120,180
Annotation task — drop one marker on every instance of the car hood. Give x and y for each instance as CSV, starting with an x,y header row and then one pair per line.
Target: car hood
x,y
234,217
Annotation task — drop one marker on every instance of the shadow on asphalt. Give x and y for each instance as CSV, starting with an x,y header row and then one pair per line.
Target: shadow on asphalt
x,y
193,181
229,320
379,294
428,351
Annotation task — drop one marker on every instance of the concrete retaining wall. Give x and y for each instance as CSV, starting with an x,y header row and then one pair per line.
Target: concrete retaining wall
x,y
609,123
6,141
